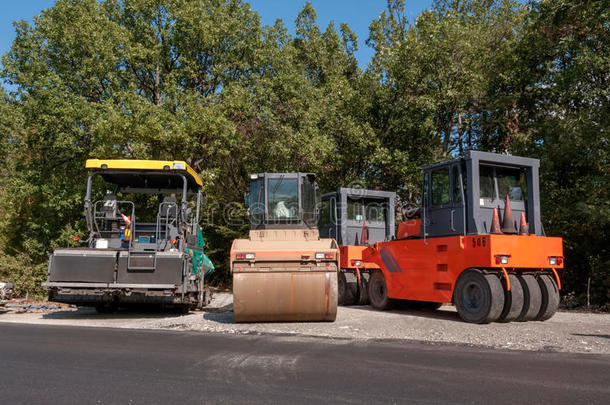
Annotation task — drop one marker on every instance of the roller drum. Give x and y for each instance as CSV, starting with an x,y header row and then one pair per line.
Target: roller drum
x,y
281,296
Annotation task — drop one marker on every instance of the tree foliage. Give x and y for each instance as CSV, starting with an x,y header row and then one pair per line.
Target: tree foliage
x,y
206,82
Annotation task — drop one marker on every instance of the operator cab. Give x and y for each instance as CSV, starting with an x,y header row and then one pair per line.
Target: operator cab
x,y
460,195
355,216
282,201
118,220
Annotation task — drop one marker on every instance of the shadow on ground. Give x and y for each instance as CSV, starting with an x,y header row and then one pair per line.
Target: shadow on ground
x,y
216,310
219,317
122,313
406,309
591,335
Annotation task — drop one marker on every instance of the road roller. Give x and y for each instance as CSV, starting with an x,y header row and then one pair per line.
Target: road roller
x,y
284,271
356,218
476,240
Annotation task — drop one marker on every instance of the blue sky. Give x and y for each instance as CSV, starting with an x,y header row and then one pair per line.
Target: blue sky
x,y
356,13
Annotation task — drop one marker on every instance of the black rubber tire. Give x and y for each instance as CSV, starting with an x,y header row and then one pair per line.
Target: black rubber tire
x,y
378,292
341,288
351,293
532,298
363,293
550,297
513,300
479,298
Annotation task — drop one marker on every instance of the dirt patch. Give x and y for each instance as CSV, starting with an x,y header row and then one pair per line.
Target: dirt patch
x,y
566,332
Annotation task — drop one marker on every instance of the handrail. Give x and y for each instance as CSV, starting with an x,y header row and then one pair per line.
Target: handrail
x,y
97,217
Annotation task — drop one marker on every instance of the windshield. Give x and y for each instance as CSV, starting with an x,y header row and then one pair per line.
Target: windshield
x,y
375,212
282,199
511,182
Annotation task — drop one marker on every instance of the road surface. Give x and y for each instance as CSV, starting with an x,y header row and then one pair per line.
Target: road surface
x,y
79,365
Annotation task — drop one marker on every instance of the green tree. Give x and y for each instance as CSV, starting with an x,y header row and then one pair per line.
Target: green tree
x,y
430,84
174,79
565,60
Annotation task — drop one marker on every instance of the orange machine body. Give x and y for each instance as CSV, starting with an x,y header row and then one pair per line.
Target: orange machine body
x,y
409,228
351,258
427,270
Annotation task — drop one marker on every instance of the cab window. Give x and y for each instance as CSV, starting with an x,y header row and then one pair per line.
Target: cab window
x,y
440,187
375,212
325,212
486,182
354,210
457,190
256,198
511,183
283,198
308,197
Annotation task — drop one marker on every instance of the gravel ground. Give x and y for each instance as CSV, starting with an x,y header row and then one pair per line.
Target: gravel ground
x,y
565,332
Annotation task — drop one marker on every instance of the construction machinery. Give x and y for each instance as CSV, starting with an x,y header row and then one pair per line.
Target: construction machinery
x,y
356,218
284,271
6,292
476,240
158,259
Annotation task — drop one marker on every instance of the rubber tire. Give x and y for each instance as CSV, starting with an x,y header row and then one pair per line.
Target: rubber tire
x,y
532,298
479,298
513,300
378,292
341,287
550,297
351,293
363,293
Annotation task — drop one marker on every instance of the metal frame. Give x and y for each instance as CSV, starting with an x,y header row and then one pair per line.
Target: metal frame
x,y
473,215
96,217
107,285
299,222
340,211
180,221
184,191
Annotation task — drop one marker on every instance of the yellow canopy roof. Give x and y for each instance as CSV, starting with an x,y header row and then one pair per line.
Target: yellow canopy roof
x,y
148,165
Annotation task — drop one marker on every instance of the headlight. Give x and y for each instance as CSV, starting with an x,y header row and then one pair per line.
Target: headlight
x,y
502,259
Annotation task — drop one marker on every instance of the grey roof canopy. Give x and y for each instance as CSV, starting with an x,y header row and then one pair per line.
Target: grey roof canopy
x,y
474,217
149,181
348,231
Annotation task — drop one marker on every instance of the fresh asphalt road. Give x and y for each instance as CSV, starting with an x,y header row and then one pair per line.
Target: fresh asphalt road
x,y
79,365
